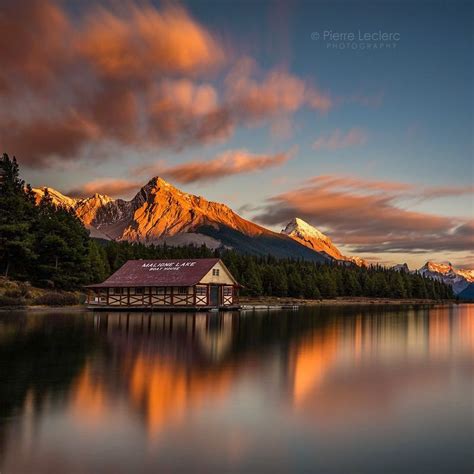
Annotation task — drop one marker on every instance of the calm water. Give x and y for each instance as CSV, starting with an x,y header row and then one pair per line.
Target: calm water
x,y
341,390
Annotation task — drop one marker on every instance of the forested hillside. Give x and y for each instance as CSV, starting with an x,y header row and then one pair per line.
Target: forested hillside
x,y
50,247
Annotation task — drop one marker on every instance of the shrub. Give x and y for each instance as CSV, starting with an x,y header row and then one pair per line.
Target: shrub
x,y
13,293
24,288
10,301
56,299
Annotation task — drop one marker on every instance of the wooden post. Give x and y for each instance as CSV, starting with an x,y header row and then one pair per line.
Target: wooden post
x,y
128,296
150,290
194,295
107,296
172,295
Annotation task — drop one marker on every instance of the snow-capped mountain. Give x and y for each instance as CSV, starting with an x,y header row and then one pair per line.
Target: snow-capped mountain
x,y
459,279
160,213
312,238
84,208
57,198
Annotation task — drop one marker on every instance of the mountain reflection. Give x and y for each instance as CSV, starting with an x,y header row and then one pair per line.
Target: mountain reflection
x,y
149,375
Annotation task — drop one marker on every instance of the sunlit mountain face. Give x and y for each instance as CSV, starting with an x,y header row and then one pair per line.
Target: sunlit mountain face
x,y
153,384
161,213
318,112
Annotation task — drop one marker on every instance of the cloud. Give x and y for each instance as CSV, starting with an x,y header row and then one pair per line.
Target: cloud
x,y
110,187
338,139
65,84
128,74
275,93
434,192
181,112
142,41
32,44
367,215
229,163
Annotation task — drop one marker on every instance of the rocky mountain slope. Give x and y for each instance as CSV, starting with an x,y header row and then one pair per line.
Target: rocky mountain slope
x,y
160,213
312,238
459,279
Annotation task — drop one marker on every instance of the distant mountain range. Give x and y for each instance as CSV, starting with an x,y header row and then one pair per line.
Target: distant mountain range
x,y
462,281
161,213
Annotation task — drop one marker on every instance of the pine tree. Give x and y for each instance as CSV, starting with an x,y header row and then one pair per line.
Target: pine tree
x,y
99,265
62,246
17,215
252,280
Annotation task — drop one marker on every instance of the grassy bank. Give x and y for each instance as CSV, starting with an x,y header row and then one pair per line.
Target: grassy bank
x,y
15,294
353,300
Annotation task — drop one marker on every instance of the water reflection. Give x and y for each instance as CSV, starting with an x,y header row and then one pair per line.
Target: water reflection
x,y
334,389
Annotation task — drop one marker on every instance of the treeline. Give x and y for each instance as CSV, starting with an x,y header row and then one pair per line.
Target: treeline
x,y
39,242
50,247
296,278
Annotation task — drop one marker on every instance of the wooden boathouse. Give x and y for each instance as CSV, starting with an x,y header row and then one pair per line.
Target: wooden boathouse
x,y
196,284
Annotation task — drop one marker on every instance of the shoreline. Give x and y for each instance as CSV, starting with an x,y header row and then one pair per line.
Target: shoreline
x,y
249,303
341,301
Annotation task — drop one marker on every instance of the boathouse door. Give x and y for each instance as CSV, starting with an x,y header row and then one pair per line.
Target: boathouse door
x,y
214,295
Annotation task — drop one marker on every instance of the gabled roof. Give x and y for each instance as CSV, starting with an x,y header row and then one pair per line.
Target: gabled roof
x,y
173,272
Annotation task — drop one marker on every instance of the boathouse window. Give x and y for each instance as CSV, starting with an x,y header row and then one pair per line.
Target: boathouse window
x,y
139,291
182,290
201,291
227,291
118,291
161,290
215,272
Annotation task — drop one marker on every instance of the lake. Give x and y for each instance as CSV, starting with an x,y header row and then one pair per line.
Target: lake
x,y
323,389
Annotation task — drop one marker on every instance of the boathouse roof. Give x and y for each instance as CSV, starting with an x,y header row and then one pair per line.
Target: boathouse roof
x,y
172,272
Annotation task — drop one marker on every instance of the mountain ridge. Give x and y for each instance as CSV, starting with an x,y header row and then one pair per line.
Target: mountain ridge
x,y
458,279
160,212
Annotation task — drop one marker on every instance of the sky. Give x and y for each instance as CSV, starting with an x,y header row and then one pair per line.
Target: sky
x,y
354,116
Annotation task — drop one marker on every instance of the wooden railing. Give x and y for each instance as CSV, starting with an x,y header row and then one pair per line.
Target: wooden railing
x,y
150,298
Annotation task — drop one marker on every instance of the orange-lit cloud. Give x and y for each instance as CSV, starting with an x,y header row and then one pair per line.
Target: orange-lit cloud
x,y
368,215
110,187
232,162
140,41
128,74
253,97
229,163
338,139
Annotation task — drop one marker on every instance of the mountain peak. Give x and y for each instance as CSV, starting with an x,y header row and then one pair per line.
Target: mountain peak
x,y
401,267
96,199
311,237
158,182
301,227
438,267
306,234
58,198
